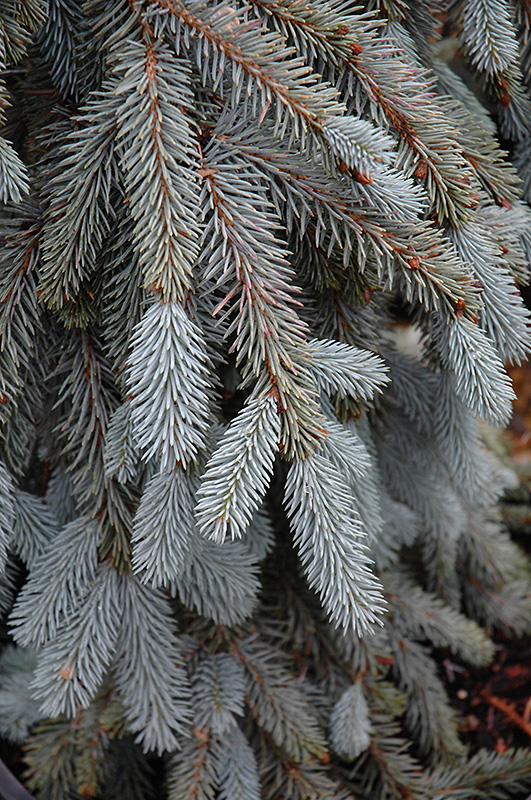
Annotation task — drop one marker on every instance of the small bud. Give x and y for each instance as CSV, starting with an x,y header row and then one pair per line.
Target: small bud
x,y
421,170
66,671
459,306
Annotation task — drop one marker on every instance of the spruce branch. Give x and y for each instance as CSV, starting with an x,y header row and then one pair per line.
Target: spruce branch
x,y
238,472
371,62
149,669
431,272
277,705
251,263
300,100
70,668
7,514
159,159
79,210
20,315
121,456
13,174
194,772
239,778
219,581
35,526
69,566
162,528
18,709
502,316
167,353
350,724
346,370
481,381
58,41
218,694
328,535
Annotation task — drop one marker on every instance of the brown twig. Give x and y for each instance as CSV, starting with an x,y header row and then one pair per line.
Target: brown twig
x,y
508,709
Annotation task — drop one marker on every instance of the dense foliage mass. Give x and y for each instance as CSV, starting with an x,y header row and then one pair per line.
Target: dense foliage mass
x,y
258,274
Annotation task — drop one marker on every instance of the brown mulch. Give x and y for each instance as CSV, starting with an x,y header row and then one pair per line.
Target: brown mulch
x,y
495,703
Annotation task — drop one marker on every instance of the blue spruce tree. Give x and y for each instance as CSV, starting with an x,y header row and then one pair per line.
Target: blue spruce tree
x,y
258,270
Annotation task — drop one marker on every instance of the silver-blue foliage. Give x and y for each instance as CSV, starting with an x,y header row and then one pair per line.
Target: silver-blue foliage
x,y
168,379
237,474
258,266
350,725
329,538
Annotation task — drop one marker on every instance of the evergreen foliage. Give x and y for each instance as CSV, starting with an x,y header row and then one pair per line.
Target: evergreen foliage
x,y
258,266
